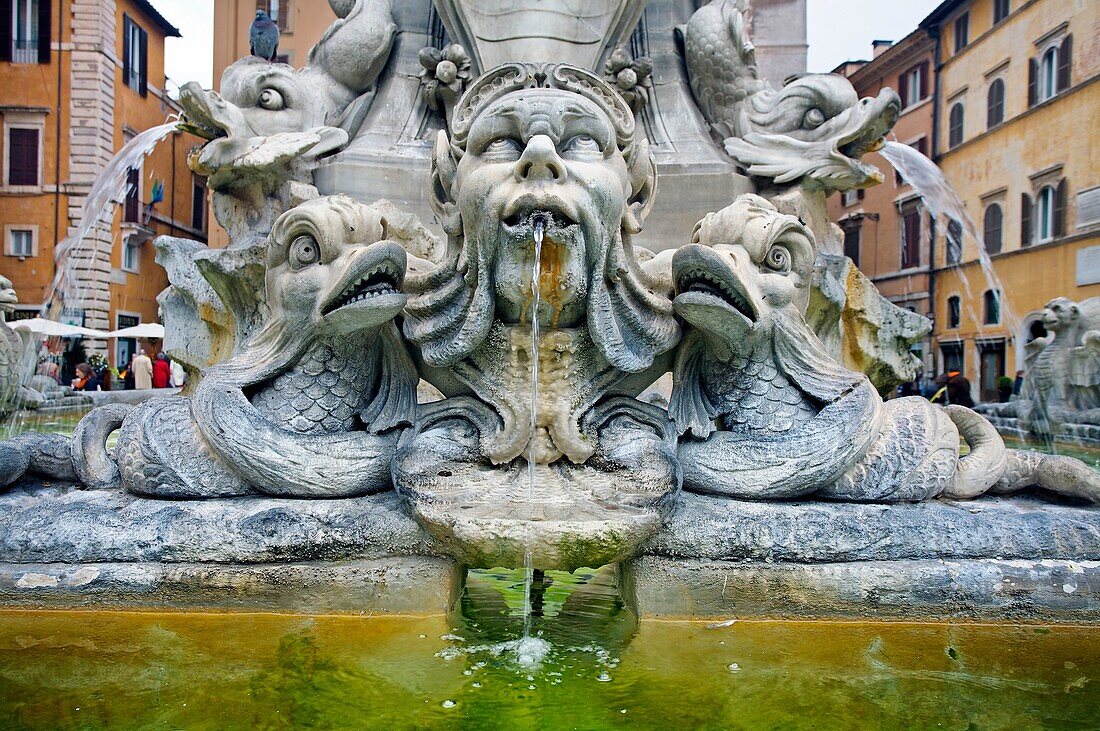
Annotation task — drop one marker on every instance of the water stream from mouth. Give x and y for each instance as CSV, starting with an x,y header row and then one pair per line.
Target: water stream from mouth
x,y
942,199
531,649
66,290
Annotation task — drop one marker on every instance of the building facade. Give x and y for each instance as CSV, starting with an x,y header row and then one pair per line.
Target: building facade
x,y
887,230
1016,135
78,79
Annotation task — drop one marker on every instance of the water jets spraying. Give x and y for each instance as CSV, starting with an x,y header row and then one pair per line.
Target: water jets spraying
x,y
940,196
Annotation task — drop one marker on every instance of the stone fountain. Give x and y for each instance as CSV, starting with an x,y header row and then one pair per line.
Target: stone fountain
x,y
586,368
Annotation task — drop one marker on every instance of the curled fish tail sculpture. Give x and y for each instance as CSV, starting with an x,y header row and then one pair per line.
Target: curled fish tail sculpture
x,y
82,458
987,460
721,63
913,457
1056,473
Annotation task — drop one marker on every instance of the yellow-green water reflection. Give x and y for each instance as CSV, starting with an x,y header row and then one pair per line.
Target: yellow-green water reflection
x,y
206,671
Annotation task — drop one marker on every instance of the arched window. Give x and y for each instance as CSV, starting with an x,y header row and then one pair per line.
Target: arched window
x,y
1048,74
992,301
1044,214
993,229
954,241
955,125
954,312
995,111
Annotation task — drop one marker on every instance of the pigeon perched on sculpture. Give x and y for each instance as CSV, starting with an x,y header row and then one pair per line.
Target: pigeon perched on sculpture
x,y
263,37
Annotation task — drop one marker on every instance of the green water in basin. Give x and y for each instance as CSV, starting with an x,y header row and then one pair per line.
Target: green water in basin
x,y
605,670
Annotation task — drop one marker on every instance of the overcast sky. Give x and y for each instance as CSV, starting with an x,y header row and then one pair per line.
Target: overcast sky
x,y
839,30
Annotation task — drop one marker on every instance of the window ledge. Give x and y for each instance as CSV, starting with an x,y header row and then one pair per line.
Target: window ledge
x,y
914,107
21,189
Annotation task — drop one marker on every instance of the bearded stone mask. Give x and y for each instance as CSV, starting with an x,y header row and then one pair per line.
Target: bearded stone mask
x,y
555,144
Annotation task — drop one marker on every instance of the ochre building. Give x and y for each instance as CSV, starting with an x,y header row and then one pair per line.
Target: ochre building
x,y
1016,134
78,79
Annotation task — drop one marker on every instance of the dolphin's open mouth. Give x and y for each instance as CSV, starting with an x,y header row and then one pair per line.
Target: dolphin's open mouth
x,y
206,114
376,278
711,282
877,117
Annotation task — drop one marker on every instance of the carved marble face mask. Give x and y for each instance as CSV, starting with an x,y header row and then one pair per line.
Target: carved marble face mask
x,y
552,154
747,265
329,267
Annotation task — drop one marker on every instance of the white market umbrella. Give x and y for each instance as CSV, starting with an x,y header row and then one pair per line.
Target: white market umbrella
x,y
147,330
52,328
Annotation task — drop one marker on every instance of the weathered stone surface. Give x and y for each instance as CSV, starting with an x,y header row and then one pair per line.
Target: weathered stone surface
x,y
815,532
1055,591
65,525
410,584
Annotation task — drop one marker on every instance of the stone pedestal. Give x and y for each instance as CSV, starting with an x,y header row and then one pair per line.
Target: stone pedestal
x,y
990,559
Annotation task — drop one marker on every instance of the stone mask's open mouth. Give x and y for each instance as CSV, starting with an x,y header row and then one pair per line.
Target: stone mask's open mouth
x,y
520,214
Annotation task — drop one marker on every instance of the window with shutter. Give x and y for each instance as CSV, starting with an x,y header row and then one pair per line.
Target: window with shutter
x,y
132,212
993,231
1044,215
910,238
1048,74
22,156
995,112
24,30
134,56
198,203
954,312
955,122
954,241
277,10
1025,220
992,307
962,32
1000,10
1065,64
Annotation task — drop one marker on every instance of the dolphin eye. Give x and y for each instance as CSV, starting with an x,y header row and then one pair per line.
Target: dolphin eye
x,y
778,259
813,119
271,99
304,251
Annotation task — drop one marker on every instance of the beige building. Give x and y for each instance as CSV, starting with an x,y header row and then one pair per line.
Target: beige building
x,y
887,230
79,78
1017,133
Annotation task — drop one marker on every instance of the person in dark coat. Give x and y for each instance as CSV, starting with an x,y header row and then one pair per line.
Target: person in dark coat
x,y
958,390
86,378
